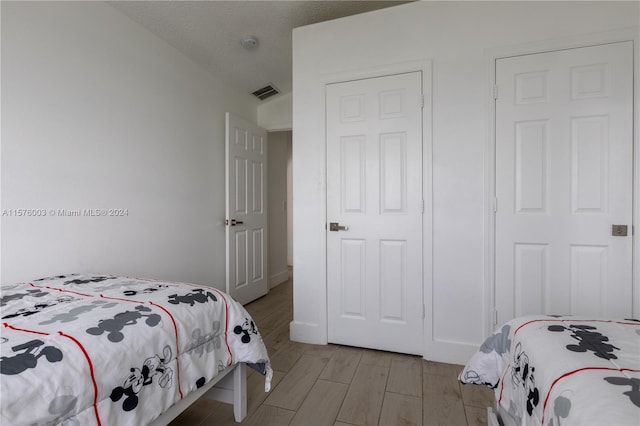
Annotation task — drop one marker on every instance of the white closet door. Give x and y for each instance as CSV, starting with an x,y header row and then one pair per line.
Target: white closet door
x,y
564,173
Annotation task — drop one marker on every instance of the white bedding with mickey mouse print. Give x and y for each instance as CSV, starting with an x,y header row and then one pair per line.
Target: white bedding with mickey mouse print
x,y
88,349
550,370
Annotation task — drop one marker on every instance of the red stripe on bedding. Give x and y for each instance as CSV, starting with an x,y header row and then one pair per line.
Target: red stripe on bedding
x,y
7,325
574,320
546,399
502,383
226,325
175,329
102,296
93,377
61,290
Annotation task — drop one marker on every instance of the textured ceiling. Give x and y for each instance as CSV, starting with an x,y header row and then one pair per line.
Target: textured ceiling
x,y
210,32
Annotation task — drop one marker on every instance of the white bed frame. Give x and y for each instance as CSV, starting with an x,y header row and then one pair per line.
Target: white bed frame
x,y
225,387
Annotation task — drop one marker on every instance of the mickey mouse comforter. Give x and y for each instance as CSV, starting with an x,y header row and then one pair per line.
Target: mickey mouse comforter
x,y
106,350
562,370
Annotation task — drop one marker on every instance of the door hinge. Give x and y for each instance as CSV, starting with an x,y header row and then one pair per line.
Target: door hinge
x,y
424,311
495,317
423,206
495,204
422,101
495,91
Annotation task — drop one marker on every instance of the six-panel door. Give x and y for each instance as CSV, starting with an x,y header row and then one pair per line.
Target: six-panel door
x,y
246,213
374,190
564,173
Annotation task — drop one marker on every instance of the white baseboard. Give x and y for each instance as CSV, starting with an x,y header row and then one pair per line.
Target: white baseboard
x,y
449,352
279,278
303,332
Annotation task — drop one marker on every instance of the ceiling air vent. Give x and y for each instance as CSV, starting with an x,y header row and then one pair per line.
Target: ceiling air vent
x,y
265,92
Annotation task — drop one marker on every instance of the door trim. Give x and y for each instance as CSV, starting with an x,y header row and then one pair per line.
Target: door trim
x,y
491,56
300,330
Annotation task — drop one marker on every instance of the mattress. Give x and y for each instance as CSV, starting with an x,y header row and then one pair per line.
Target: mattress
x,y
85,349
551,370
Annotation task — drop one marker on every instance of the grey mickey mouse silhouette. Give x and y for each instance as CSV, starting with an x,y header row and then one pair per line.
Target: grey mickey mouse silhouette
x,y
499,342
205,342
75,313
33,350
72,315
61,407
113,326
17,296
589,339
54,277
39,307
87,281
198,295
561,409
634,393
25,312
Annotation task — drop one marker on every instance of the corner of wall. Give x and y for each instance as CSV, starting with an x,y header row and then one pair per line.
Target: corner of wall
x,y
276,114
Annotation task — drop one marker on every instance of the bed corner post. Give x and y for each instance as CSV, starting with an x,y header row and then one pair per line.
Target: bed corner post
x,y
240,392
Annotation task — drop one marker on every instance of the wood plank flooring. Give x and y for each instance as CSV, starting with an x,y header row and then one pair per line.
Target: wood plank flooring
x,y
315,385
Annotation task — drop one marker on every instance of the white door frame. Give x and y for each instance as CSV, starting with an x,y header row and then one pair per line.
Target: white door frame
x,y
424,66
491,56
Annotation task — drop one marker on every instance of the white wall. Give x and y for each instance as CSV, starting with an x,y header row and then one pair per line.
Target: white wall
x,y
99,113
275,114
277,159
457,37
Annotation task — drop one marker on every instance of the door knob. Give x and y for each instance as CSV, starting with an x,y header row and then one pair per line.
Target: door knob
x,y
335,226
619,230
233,222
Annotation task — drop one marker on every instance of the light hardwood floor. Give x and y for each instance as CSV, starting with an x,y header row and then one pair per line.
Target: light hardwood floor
x,y
341,386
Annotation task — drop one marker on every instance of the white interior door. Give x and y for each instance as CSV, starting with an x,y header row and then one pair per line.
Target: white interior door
x,y
374,190
564,173
246,212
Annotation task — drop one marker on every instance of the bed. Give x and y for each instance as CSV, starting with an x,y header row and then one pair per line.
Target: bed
x,y
561,370
93,349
